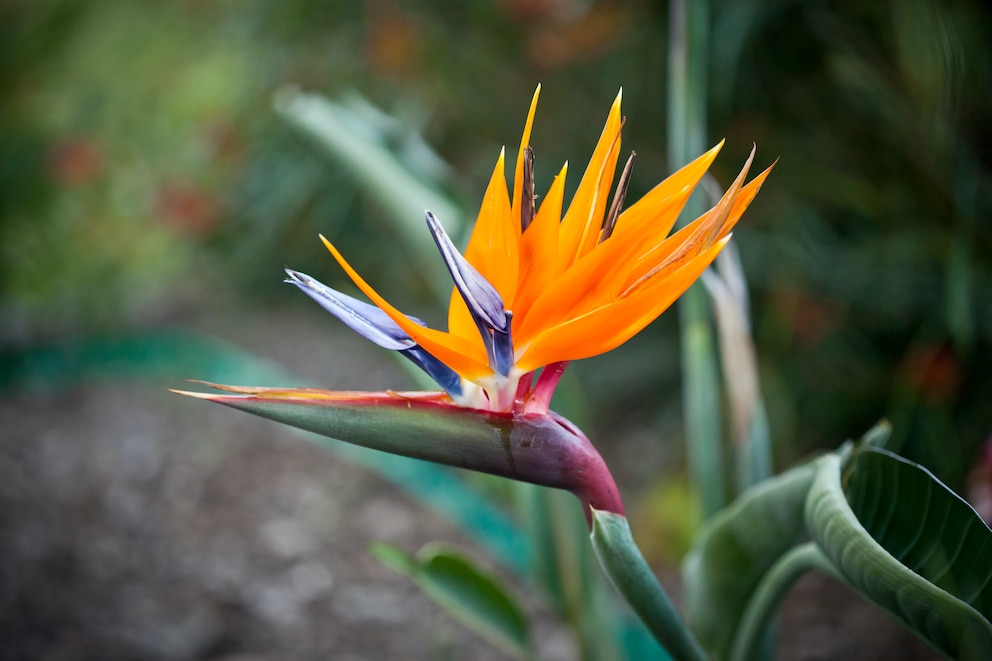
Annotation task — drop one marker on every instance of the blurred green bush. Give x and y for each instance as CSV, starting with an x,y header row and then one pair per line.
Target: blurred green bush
x,y
144,175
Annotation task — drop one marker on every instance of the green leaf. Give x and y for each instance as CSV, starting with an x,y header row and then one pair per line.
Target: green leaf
x,y
909,544
735,549
472,596
878,436
949,544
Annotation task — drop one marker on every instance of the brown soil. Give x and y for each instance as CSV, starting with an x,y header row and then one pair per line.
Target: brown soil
x,y
135,524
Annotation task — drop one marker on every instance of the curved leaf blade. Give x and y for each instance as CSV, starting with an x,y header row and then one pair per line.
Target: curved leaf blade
x,y
469,594
886,494
924,525
735,549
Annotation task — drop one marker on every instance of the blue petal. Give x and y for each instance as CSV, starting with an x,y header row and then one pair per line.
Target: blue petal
x,y
503,347
445,377
482,299
373,324
367,320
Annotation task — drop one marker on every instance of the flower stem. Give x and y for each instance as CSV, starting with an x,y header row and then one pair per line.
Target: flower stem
x,y
633,578
688,24
687,76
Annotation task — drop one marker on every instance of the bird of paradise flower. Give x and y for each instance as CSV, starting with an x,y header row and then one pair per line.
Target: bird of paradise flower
x,y
534,290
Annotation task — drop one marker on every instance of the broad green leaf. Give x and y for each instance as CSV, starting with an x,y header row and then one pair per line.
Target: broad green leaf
x,y
909,544
923,524
472,596
878,436
735,549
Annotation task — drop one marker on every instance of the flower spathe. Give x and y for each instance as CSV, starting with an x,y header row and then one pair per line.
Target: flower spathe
x,y
543,449
537,288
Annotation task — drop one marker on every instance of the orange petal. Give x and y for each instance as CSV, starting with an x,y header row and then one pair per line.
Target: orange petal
x,y
493,249
652,217
539,249
460,321
457,353
683,241
744,199
592,281
580,226
609,326
600,275
687,243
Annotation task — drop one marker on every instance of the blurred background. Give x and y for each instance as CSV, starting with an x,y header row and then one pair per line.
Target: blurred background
x,y
152,193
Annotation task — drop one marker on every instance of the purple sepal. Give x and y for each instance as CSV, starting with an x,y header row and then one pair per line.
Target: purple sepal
x,y
443,375
503,347
365,319
375,325
482,299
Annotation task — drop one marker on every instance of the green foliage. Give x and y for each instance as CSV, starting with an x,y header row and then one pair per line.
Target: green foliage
x,y
875,115
471,595
923,524
402,186
909,544
735,549
866,248
884,525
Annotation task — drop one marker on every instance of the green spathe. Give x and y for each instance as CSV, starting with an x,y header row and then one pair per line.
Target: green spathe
x,y
543,449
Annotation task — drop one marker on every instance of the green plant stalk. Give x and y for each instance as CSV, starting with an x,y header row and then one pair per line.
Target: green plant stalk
x,y
687,74
754,456
565,568
764,602
633,578
701,402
